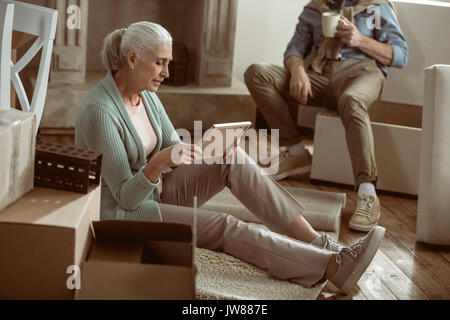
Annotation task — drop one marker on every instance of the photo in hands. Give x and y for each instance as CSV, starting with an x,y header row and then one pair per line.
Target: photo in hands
x,y
220,137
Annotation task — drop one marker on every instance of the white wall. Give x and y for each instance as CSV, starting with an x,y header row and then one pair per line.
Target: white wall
x,y
426,26
263,30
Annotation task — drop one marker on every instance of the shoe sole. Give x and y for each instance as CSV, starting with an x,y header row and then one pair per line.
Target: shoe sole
x,y
363,227
365,260
292,172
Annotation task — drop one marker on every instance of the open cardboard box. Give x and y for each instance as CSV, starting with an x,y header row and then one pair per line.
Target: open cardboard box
x,y
42,235
397,148
139,260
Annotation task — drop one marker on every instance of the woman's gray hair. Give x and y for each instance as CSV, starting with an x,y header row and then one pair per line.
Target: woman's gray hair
x,y
140,37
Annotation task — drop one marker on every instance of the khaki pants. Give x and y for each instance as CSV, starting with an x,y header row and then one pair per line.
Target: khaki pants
x,y
283,257
351,86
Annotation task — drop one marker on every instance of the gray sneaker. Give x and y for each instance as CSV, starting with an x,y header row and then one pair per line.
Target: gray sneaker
x,y
325,242
354,260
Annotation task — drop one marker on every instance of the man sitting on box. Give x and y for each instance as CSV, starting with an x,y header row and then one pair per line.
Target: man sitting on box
x,y
347,72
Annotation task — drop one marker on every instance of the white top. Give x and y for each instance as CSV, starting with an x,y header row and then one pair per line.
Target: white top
x,y
141,121
144,127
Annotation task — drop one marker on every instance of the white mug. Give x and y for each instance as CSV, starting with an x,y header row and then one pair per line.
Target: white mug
x,y
330,23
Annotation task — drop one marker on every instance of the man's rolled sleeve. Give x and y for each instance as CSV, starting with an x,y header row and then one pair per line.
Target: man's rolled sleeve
x,y
391,33
400,56
302,41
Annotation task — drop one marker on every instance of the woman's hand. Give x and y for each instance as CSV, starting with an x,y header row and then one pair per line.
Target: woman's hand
x,y
299,84
232,150
177,155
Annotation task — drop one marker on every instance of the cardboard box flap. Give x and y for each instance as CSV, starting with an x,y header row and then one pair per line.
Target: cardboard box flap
x,y
129,251
113,230
112,280
49,207
147,252
167,253
21,38
136,242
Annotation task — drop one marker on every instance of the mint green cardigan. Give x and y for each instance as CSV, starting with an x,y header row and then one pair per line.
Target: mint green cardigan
x,y
103,125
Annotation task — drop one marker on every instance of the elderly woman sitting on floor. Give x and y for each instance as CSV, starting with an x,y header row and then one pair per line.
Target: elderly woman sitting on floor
x,y
123,118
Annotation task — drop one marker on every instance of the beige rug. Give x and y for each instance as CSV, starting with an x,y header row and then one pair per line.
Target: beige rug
x,y
223,277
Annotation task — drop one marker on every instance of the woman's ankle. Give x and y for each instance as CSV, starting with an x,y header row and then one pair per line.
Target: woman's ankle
x,y
301,230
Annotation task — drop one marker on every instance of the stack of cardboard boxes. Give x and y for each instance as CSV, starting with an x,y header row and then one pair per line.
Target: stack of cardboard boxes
x,y
52,245
42,231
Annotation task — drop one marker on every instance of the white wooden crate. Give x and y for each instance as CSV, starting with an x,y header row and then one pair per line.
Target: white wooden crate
x,y
433,219
397,154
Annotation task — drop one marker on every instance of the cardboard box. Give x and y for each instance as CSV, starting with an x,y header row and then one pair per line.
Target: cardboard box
x,y
397,152
17,151
139,260
41,236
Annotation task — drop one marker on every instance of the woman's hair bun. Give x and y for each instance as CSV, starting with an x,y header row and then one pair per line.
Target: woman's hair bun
x,y
139,37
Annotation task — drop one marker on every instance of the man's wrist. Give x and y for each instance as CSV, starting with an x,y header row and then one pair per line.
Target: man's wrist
x,y
381,52
294,64
364,43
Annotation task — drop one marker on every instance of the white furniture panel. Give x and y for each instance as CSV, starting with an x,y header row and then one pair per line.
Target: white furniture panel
x,y
396,154
433,214
6,20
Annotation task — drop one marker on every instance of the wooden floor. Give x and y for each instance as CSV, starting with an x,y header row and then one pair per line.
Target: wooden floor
x,y
402,269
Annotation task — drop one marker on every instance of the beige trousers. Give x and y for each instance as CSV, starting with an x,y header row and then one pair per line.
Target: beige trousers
x,y
351,86
283,257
